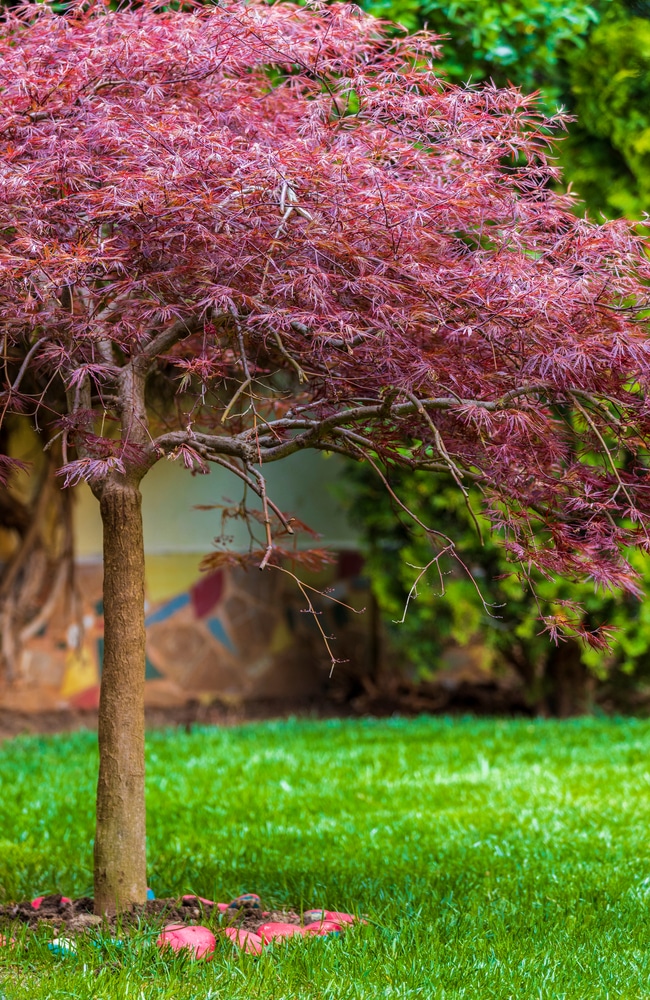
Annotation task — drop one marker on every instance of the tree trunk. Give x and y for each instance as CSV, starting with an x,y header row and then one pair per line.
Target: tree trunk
x,y
120,850
570,685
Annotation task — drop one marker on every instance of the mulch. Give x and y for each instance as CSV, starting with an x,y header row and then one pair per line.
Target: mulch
x,y
76,916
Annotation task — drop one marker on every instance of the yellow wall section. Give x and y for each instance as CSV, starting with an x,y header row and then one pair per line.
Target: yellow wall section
x,y
171,574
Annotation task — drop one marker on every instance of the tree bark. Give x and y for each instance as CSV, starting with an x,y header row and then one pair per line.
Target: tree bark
x,y
570,685
120,849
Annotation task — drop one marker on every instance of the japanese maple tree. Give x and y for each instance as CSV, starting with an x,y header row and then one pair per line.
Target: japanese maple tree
x,y
279,225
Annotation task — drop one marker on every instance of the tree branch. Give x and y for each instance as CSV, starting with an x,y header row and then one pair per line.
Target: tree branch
x,y
163,341
315,430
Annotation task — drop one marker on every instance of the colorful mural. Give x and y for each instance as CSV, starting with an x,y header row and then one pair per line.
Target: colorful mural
x,y
229,636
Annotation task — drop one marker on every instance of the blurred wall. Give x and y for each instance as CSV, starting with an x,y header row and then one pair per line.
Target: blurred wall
x,y
229,635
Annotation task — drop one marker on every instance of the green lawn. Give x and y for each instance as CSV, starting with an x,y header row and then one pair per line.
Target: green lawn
x,y
494,858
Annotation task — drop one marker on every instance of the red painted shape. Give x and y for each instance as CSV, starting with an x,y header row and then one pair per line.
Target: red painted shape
x,y
246,940
86,700
340,918
206,594
197,939
277,931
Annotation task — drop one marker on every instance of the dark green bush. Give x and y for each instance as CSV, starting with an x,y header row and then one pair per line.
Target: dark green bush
x,y
507,616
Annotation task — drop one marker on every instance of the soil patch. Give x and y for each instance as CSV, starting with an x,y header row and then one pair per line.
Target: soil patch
x,y
76,916
403,698
14,723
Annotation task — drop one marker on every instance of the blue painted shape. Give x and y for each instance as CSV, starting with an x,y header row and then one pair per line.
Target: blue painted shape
x,y
167,610
150,672
218,631
151,894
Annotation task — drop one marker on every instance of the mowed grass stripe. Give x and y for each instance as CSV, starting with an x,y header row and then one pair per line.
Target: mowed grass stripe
x,y
494,858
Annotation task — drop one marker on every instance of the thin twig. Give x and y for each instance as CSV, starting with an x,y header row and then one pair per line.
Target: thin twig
x,y
412,594
285,354
456,473
242,388
304,587
621,485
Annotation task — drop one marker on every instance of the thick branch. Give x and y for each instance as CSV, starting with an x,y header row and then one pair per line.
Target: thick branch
x,y
337,433
237,447
163,341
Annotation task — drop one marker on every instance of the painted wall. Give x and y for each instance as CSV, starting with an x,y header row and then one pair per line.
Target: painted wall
x,y
229,635
300,485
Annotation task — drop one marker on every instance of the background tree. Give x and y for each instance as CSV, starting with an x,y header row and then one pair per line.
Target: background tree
x,y
283,215
557,678
610,95
527,43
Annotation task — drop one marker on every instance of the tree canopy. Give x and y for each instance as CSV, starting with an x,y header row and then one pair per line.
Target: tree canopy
x,y
388,241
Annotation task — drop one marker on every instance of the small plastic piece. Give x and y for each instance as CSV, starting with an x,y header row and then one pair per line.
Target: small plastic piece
x,y
246,940
62,946
199,940
324,927
340,918
36,903
101,943
248,900
150,894
276,931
